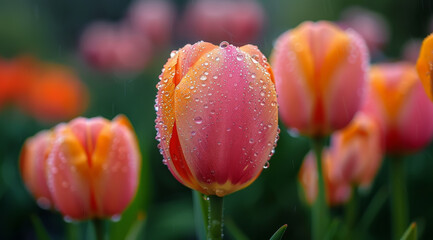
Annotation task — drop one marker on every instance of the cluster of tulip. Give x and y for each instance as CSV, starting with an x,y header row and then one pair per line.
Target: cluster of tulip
x,y
48,92
129,45
217,127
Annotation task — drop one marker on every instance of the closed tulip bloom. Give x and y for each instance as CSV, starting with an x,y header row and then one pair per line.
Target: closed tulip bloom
x,y
216,116
320,73
356,152
337,192
396,99
33,162
93,167
424,65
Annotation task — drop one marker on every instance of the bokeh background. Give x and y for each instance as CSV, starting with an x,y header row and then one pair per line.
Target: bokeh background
x,y
121,78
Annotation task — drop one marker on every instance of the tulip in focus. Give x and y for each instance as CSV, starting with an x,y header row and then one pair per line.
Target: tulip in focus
x,y
93,167
241,22
54,93
33,163
424,65
115,48
320,73
396,99
337,192
356,152
217,117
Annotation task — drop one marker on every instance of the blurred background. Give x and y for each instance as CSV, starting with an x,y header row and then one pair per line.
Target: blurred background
x,y
103,58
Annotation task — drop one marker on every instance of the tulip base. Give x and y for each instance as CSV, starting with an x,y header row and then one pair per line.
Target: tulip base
x,y
215,218
399,211
320,211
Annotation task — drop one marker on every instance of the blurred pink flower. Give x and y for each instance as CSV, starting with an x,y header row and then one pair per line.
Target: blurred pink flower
x,y
411,50
370,25
153,19
115,48
239,22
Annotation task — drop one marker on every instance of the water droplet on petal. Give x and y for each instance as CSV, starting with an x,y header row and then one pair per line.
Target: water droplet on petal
x,y
267,164
224,44
198,120
116,217
203,78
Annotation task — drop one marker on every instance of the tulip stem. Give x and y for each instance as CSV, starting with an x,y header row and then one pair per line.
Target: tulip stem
x,y
215,221
351,213
99,228
201,206
399,211
320,211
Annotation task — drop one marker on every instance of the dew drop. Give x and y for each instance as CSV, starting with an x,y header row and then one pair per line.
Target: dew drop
x,y
68,219
239,56
116,217
224,44
267,164
251,141
203,78
198,120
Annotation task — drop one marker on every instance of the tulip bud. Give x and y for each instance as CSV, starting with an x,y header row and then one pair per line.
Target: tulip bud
x,y
424,65
93,167
337,192
356,152
217,117
395,98
320,73
33,162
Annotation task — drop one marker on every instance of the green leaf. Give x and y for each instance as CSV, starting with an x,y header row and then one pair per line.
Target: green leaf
x,y
136,229
411,233
41,232
333,230
373,209
279,233
200,214
234,230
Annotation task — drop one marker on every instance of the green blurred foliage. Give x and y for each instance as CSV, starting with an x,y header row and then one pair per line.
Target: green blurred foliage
x,y
50,29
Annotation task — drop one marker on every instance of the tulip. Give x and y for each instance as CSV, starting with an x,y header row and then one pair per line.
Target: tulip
x,y
54,93
320,73
33,162
217,120
411,49
424,65
216,116
216,20
93,167
115,48
372,27
337,192
154,19
356,152
396,99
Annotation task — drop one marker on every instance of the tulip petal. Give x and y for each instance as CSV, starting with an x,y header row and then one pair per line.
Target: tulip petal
x,y
424,65
214,107
68,173
115,168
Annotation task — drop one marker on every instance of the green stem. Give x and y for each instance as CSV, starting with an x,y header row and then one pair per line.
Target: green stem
x,y
351,213
399,211
320,211
201,206
215,221
99,228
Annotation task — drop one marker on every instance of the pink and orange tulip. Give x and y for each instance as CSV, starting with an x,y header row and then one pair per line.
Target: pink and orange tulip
x,y
217,116
424,65
396,99
320,73
337,192
91,167
33,164
356,152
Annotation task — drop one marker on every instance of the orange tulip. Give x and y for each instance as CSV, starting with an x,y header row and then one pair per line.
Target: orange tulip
x,y
424,65
356,152
55,93
337,192
217,117
320,73
33,167
93,167
396,99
